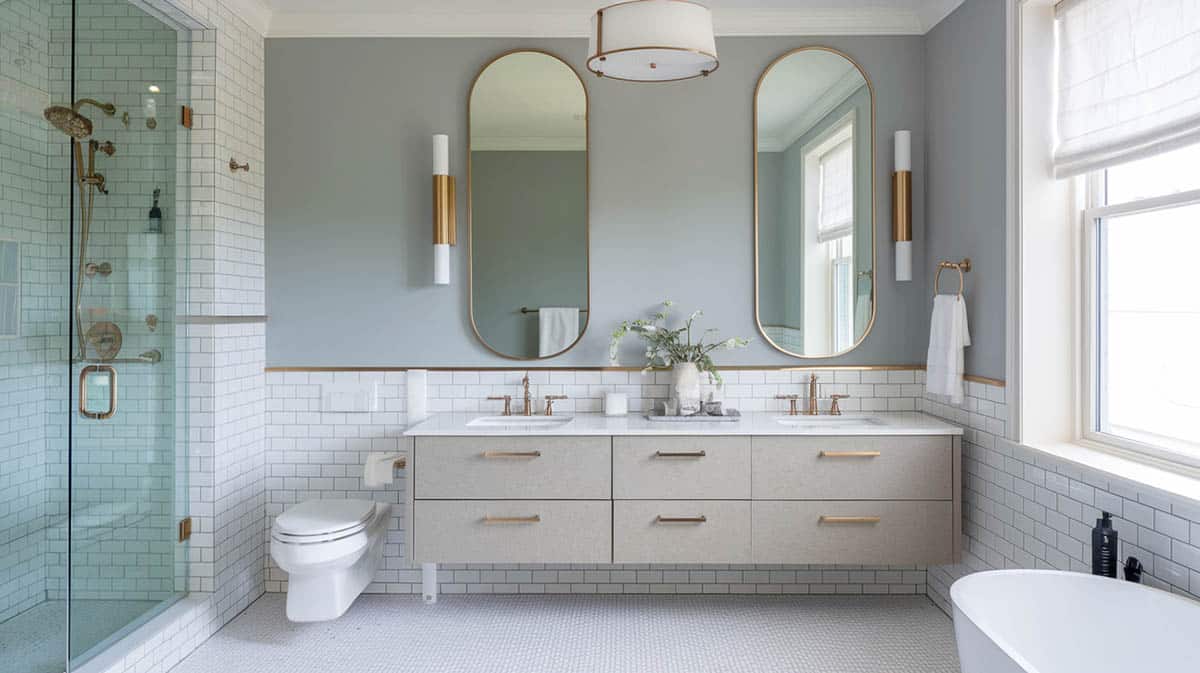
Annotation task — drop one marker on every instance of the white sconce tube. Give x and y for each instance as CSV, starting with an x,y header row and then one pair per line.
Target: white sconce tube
x,y
902,204
444,224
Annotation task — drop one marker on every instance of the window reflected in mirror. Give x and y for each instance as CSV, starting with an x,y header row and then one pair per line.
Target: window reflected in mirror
x,y
814,219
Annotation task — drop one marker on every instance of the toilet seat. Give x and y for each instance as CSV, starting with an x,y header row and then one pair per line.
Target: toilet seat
x,y
319,521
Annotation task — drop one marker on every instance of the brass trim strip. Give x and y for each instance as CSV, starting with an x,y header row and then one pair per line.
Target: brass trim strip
x,y
849,519
512,454
219,319
699,518
902,206
874,227
849,454
491,520
680,454
731,368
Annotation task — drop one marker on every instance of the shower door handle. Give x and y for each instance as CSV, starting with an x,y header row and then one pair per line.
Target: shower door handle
x,y
112,391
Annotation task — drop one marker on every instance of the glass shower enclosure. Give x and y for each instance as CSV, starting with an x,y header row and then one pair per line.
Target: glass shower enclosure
x,y
93,266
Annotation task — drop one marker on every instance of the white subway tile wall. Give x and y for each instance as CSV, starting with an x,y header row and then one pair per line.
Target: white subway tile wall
x,y
26,360
1025,509
315,454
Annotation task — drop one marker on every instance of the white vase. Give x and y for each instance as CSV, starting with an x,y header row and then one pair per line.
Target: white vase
x,y
685,387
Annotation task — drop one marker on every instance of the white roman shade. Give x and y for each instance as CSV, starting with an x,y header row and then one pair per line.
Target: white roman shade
x,y
1128,80
836,209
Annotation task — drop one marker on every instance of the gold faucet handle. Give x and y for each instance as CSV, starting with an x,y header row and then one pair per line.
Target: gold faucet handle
x,y
834,409
792,399
507,399
550,399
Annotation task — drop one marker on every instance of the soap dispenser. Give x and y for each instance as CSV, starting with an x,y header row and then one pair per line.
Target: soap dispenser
x,y
155,217
1104,547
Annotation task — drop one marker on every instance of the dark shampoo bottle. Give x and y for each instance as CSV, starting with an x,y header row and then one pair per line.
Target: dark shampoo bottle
x,y
1104,547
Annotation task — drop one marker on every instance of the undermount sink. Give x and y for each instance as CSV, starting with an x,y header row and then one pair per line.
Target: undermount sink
x,y
535,422
838,421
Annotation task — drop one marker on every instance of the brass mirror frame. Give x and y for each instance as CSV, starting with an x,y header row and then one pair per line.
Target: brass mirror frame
x,y
587,223
874,232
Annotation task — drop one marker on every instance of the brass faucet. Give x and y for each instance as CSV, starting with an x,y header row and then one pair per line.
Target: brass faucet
x,y
528,410
550,403
812,396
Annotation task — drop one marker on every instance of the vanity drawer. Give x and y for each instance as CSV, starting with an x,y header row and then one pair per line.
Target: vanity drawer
x,y
568,468
704,531
712,468
853,468
904,532
512,531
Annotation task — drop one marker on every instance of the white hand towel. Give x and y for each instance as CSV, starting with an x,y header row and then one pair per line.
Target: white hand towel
x,y
378,471
557,329
948,335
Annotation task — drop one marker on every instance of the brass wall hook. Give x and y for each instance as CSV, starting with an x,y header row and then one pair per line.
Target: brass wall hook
x,y
235,166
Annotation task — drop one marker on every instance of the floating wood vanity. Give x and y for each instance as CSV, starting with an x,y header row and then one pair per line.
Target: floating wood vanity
x,y
626,490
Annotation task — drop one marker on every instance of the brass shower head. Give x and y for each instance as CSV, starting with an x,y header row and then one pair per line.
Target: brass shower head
x,y
69,121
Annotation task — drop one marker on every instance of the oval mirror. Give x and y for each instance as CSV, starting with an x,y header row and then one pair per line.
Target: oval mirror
x,y
527,182
814,210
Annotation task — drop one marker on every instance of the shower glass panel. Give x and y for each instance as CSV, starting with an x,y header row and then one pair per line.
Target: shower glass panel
x,y
93,240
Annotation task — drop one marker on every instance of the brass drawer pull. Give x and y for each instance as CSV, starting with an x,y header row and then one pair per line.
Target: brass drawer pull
x,y
512,454
536,518
849,519
849,454
680,454
700,518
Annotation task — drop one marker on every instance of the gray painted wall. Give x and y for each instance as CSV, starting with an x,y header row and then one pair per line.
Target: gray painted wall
x,y
349,254
965,155
530,233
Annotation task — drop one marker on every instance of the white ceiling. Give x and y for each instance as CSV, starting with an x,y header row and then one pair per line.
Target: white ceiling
x,y
798,92
528,101
569,18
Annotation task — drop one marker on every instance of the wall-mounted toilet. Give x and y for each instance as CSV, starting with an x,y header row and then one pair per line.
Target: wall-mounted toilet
x,y
330,550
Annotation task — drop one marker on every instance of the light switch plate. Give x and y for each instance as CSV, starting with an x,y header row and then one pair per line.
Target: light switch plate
x,y
349,398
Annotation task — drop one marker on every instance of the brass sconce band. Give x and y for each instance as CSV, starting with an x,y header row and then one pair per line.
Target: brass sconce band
x,y
902,206
444,222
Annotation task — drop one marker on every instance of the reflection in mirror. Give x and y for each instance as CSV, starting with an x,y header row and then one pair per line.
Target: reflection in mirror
x,y
814,209
528,198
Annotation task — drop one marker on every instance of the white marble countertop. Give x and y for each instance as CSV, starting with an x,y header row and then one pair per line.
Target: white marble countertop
x,y
755,423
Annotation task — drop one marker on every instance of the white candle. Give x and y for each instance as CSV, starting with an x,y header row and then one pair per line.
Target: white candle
x,y
441,154
903,142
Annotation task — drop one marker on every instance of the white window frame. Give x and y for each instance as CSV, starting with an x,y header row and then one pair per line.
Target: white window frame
x,y
1092,187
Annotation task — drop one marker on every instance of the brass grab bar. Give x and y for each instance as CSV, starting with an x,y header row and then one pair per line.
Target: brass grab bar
x,y
849,454
512,454
112,392
699,518
680,454
490,520
849,519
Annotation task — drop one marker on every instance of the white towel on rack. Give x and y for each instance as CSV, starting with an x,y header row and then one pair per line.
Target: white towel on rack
x,y
557,329
948,335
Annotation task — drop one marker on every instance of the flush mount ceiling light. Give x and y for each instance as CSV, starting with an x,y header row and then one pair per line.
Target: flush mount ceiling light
x,y
652,41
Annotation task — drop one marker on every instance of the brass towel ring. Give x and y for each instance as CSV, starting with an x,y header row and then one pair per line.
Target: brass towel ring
x,y
962,268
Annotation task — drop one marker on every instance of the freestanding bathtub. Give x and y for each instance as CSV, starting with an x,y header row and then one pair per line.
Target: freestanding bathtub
x,y
1046,621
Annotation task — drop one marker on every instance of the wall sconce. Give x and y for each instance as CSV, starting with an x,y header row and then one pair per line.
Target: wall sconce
x,y
902,205
444,222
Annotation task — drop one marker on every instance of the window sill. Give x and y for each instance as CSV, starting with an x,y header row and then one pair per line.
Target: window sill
x,y
1182,481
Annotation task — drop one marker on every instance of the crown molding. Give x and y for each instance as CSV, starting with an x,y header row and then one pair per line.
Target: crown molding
x,y
727,22
255,13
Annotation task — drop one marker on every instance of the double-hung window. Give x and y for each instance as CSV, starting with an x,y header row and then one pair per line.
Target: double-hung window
x,y
830,262
1128,134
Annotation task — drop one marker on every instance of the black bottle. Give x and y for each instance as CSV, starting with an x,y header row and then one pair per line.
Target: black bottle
x,y
155,218
1104,547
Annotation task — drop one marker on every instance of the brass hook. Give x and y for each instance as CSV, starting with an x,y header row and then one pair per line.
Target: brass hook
x,y
235,166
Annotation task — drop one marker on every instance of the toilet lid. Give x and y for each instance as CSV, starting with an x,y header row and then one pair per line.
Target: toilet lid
x,y
321,517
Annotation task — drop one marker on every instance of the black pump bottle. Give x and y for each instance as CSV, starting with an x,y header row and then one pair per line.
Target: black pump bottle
x,y
1104,547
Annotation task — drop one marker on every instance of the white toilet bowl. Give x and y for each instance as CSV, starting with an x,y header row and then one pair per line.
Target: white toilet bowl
x,y
330,550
